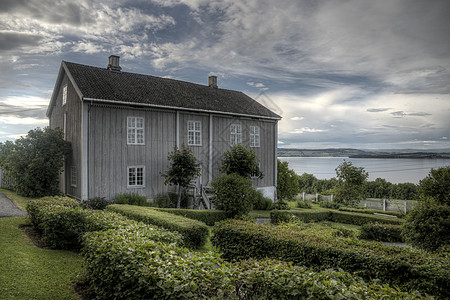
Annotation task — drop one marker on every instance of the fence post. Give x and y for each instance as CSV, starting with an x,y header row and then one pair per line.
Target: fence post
x,y
384,204
406,204
317,197
332,198
303,196
365,202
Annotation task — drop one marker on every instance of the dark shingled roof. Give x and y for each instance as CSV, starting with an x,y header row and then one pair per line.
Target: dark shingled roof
x,y
103,84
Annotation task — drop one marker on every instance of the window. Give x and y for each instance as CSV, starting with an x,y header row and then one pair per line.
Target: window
x,y
135,131
194,133
73,176
254,136
235,134
65,125
64,95
136,176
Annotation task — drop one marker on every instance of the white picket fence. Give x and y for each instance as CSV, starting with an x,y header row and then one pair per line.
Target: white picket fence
x,y
403,206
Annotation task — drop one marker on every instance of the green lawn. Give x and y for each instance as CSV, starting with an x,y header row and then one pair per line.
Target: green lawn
x,y
29,272
19,200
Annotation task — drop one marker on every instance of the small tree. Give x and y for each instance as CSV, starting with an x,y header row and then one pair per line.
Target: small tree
x,y
234,194
287,181
351,179
242,162
436,185
183,169
36,160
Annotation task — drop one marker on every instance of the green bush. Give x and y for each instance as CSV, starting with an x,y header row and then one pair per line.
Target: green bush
x,y
36,206
233,194
207,216
407,268
281,205
361,219
281,216
124,264
428,225
98,203
130,199
261,202
195,233
303,204
332,205
169,200
381,232
372,211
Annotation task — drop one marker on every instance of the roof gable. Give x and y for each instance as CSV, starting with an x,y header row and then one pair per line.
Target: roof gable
x,y
136,89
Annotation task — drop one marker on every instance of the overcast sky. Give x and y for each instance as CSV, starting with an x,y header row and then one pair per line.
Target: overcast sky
x,y
350,73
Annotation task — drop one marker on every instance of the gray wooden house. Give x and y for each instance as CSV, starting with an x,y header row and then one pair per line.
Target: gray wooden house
x,y
123,125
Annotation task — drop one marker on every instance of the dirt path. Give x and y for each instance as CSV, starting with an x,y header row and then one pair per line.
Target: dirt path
x,y
9,209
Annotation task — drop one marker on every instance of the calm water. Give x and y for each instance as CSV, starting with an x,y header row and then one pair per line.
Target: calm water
x,y
393,170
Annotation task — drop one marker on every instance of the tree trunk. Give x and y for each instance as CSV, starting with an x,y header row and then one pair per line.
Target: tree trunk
x,y
179,197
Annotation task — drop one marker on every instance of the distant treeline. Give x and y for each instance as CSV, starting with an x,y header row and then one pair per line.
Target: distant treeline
x,y
379,188
355,153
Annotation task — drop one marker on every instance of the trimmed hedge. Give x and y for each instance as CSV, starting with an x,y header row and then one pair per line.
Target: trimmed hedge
x,y
334,216
408,268
372,211
123,264
195,233
62,223
382,232
207,216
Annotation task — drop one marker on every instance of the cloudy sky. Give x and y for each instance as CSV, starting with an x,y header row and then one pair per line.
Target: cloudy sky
x,y
350,73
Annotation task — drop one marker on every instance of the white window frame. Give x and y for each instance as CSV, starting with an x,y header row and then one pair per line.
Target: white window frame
x,y
138,172
194,133
73,176
235,134
255,137
64,95
135,131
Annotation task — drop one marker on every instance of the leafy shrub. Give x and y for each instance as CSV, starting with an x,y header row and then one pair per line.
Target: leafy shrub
x,y
381,232
234,194
281,205
130,199
278,217
97,203
165,201
428,225
125,264
361,219
332,205
195,233
261,202
207,216
371,211
408,268
303,204
36,206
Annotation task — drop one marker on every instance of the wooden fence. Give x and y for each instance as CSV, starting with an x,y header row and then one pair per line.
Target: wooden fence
x,y
5,181
403,206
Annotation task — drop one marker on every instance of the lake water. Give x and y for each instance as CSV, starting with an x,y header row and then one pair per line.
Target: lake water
x,y
392,169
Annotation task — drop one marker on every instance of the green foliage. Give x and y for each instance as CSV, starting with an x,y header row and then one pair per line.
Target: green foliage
x,y
372,211
303,204
361,219
309,184
123,264
287,181
281,205
234,194
261,202
350,188
35,161
169,200
327,204
183,169
195,233
428,225
381,232
278,217
241,161
130,199
98,203
436,185
410,269
207,216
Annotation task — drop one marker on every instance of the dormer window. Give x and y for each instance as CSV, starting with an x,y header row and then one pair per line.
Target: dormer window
x,y
64,95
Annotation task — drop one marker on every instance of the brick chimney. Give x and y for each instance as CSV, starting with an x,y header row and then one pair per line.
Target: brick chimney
x,y
114,63
213,82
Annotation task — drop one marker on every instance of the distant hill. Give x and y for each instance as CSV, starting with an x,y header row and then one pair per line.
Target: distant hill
x,y
355,153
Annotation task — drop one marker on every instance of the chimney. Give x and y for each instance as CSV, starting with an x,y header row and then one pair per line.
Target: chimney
x,y
213,82
114,63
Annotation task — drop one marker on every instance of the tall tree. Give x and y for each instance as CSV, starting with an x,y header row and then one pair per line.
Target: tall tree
x,y
351,179
36,160
287,181
182,170
242,162
436,185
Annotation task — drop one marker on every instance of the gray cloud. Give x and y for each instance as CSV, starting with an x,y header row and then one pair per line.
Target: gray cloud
x,y
377,109
15,40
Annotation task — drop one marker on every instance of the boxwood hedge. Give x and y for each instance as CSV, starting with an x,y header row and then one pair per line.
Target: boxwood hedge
x,y
195,233
408,268
381,232
207,216
363,210
123,264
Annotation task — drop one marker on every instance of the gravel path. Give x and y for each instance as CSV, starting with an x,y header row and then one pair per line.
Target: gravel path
x,y
9,209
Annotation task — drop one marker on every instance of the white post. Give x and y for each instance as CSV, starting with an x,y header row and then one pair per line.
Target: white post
x,y
406,204
303,196
332,197
384,204
365,202
317,197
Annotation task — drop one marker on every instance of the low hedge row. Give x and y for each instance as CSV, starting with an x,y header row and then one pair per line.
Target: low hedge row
x,y
382,232
372,211
334,216
195,233
207,216
123,264
62,222
407,268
